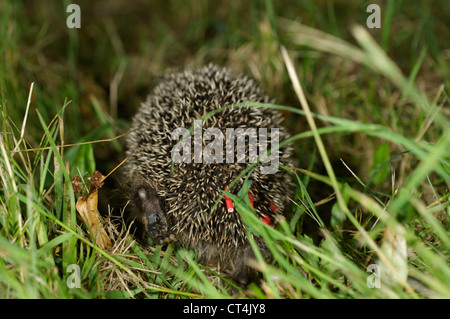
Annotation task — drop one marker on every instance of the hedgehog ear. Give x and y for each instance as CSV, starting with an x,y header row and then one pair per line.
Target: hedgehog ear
x,y
145,194
142,193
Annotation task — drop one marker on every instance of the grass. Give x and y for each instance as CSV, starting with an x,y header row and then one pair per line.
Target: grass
x,y
368,110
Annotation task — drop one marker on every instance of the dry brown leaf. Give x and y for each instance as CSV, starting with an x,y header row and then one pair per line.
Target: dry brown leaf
x,y
87,208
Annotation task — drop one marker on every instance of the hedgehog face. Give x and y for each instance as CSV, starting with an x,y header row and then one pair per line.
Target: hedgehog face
x,y
152,214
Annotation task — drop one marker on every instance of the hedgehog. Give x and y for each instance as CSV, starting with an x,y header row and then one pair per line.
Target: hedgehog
x,y
173,200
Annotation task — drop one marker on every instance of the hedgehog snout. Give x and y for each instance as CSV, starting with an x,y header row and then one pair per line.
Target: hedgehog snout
x,y
155,226
153,219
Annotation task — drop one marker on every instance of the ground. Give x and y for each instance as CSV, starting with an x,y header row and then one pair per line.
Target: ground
x,y
371,136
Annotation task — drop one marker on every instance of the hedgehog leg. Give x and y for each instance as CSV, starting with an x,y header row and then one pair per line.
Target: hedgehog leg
x,y
152,215
243,274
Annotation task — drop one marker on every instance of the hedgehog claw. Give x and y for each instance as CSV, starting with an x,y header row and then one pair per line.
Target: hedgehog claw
x,y
167,239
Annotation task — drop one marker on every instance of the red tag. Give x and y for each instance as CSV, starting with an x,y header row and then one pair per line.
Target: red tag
x,y
250,197
265,219
229,202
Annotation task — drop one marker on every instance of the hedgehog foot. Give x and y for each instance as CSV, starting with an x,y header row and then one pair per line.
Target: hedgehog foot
x,y
243,274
